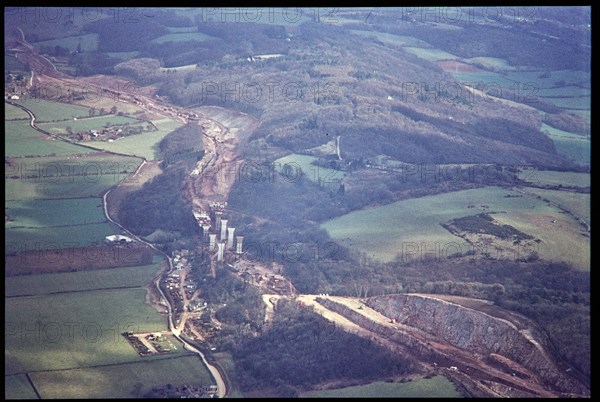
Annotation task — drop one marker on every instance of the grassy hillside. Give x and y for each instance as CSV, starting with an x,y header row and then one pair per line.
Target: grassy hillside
x,y
435,387
79,281
386,231
132,380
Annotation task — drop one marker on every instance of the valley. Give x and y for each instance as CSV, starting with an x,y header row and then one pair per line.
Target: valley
x,y
334,206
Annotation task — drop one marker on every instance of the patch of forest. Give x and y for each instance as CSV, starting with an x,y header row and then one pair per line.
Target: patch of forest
x,y
484,224
324,83
159,205
320,85
303,349
185,143
540,38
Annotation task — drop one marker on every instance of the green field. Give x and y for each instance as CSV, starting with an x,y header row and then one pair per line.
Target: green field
x,y
89,43
92,123
121,381
18,387
399,40
586,114
564,91
123,55
554,178
492,63
485,78
578,203
144,145
182,37
50,238
568,81
435,387
45,110
59,177
46,224
71,330
30,285
549,79
560,133
22,140
570,145
414,225
581,102
431,54
67,322
14,113
76,186
45,213
560,234
312,172
575,149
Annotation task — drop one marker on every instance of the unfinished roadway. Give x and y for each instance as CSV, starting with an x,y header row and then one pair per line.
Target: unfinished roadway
x,y
489,351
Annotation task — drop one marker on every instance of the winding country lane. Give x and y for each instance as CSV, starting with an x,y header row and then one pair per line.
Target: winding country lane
x,y
220,382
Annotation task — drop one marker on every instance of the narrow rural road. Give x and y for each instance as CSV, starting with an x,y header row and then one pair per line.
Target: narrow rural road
x,y
221,385
45,70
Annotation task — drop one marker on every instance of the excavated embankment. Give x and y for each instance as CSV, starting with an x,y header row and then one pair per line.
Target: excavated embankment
x,y
507,360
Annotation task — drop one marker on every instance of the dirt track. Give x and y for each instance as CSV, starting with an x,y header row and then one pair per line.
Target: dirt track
x,y
225,131
482,375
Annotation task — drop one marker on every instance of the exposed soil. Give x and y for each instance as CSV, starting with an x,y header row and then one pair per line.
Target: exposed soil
x,y
224,132
492,375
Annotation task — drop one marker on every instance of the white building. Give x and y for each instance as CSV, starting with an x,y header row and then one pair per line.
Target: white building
x,y
118,239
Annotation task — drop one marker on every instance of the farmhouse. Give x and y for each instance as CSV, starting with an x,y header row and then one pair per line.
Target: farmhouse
x,y
118,239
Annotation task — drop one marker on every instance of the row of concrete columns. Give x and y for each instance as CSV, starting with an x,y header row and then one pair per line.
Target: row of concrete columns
x,y
221,246
226,234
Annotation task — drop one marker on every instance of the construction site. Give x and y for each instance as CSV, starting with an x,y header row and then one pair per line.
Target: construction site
x,y
486,350
219,248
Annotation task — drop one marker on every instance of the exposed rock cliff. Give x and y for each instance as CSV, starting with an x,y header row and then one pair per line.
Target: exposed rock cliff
x,y
489,355
477,333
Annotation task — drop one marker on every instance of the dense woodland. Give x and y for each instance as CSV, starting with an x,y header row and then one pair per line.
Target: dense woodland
x,y
337,85
318,202
185,143
159,206
302,349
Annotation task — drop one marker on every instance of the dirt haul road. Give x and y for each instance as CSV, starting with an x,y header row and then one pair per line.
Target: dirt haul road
x,y
225,132
494,375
